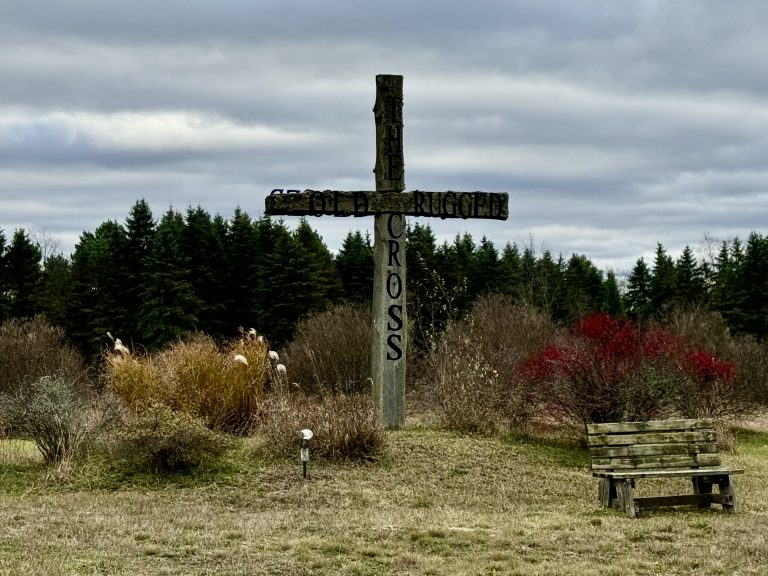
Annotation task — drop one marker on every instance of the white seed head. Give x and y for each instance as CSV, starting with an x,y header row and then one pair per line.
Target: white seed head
x,y
280,368
242,359
119,347
274,356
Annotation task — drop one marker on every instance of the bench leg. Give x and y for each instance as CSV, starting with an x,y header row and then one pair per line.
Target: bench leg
x,y
626,493
728,492
702,485
606,492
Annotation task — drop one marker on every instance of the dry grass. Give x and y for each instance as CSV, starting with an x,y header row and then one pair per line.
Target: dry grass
x,y
439,504
195,376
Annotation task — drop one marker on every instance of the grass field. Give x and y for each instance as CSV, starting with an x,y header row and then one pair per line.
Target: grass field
x,y
437,504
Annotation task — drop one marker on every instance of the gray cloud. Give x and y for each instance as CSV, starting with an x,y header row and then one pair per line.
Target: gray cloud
x,y
612,125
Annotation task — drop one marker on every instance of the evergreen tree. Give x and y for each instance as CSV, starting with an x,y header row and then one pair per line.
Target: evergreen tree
x,y
485,272
583,287
427,305
22,274
140,234
168,303
752,288
56,289
456,265
286,290
510,270
691,289
355,265
548,286
527,290
663,281
98,287
612,302
723,297
241,274
326,284
4,289
638,297
202,245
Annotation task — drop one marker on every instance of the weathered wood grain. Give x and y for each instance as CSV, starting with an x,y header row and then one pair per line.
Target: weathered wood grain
x,y
450,204
650,426
705,472
652,449
656,462
699,436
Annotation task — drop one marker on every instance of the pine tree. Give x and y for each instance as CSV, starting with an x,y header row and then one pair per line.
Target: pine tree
x,y
583,287
664,291
22,273
691,289
638,297
4,289
242,253
168,302
286,289
456,265
723,297
327,288
140,234
752,288
611,302
549,286
56,289
427,305
98,287
527,286
485,271
355,265
510,270
202,245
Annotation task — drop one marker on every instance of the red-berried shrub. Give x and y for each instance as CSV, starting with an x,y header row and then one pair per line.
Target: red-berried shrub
x,y
605,369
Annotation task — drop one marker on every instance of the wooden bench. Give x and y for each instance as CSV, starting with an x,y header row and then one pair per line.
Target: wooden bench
x,y
624,452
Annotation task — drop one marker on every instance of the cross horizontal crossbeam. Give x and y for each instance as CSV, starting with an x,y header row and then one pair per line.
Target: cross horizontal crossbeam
x,y
487,205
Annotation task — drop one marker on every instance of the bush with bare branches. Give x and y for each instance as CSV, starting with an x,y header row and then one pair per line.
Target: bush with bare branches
x,y
471,376
345,427
31,349
331,351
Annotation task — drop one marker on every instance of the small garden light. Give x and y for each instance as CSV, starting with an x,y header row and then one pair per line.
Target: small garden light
x,y
306,436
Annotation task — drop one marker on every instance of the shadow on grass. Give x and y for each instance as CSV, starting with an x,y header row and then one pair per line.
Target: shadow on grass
x,y
560,451
751,442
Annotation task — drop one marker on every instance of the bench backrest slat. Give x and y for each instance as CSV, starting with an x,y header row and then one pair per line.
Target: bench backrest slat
x,y
655,444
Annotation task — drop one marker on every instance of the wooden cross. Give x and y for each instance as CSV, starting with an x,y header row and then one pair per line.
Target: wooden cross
x,y
389,205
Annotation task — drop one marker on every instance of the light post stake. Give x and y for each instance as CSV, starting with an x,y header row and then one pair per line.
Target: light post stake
x,y
306,436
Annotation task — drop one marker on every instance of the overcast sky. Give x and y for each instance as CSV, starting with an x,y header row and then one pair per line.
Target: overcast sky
x,y
612,124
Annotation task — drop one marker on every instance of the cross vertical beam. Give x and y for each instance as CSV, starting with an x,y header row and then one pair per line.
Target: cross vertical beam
x,y
390,319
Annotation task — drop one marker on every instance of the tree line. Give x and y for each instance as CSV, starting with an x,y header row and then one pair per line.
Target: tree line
x,y
151,281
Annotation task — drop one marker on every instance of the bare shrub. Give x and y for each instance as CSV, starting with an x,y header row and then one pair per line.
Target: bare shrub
x,y
224,387
33,348
163,441
345,427
55,414
331,351
743,390
474,383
